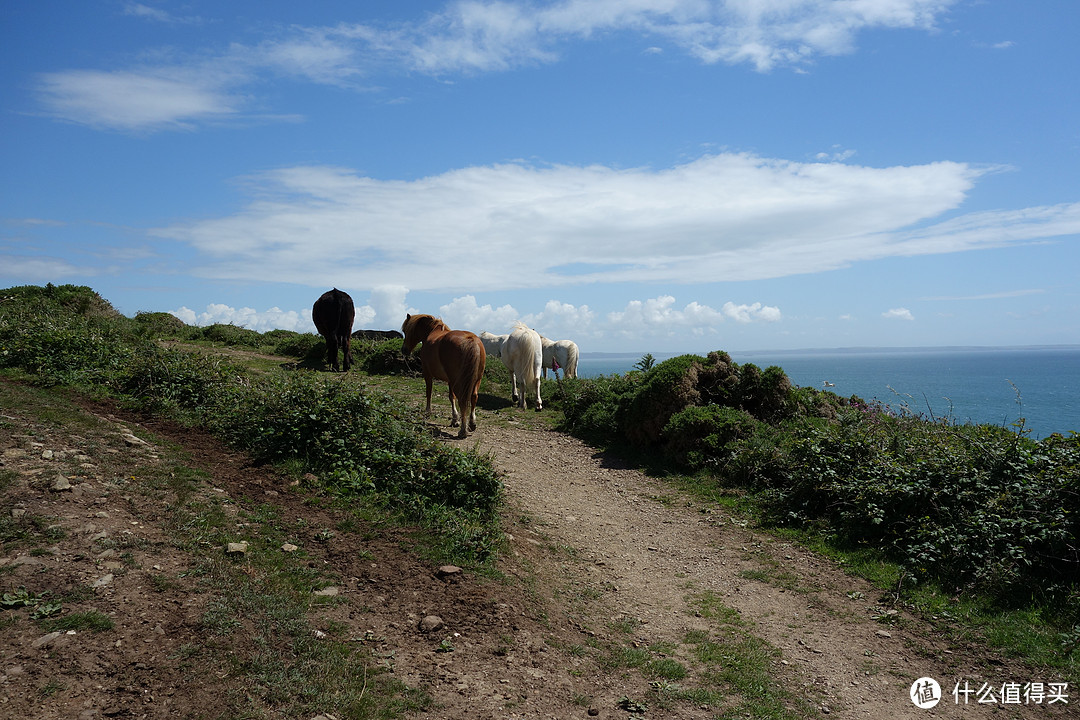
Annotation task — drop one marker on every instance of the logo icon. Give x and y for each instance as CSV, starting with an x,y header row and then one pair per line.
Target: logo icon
x,y
925,693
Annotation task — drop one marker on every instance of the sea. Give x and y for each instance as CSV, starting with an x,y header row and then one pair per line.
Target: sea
x,y
996,386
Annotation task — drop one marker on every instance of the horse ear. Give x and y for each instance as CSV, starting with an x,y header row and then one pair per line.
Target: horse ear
x,y
407,316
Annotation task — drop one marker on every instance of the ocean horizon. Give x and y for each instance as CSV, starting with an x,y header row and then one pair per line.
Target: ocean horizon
x,y
976,384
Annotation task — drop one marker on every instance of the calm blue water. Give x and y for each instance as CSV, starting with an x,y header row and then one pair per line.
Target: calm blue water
x,y
995,386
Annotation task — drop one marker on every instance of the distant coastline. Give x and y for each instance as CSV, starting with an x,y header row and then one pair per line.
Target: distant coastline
x,y
853,350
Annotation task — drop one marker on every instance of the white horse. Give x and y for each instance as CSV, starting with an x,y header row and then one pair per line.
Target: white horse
x,y
560,354
493,344
523,353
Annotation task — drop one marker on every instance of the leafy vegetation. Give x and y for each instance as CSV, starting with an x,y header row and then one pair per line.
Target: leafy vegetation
x,y
355,443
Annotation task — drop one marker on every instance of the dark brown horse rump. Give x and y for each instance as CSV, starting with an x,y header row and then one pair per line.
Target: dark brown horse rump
x,y
333,315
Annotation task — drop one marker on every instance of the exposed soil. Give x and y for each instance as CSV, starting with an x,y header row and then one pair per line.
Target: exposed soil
x,y
601,558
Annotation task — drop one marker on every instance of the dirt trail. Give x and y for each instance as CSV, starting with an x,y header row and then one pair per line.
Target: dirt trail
x,y
652,552
604,562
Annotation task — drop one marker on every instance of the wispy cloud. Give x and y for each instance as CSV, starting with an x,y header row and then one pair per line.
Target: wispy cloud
x,y
720,217
154,14
486,36
1003,295
143,100
462,38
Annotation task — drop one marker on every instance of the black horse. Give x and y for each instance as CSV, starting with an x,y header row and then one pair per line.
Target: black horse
x,y
333,314
377,335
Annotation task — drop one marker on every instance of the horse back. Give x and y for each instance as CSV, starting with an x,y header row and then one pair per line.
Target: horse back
x,y
457,357
333,314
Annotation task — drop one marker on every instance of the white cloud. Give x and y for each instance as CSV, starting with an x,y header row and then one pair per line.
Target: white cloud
x,y
487,36
136,100
729,217
640,320
20,270
465,37
751,313
146,12
273,319
898,314
660,312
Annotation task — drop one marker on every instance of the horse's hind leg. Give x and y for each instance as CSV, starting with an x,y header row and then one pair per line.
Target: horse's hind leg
x,y
474,398
346,346
427,408
454,410
331,352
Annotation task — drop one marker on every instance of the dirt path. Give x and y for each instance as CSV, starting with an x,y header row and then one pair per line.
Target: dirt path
x,y
655,555
613,591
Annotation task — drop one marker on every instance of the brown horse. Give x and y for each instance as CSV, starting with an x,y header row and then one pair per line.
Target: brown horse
x,y
456,357
333,316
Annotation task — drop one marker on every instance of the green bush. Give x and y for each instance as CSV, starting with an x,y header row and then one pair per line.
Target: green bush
x,y
163,325
232,335
307,347
699,437
359,442
973,506
591,406
384,357
665,390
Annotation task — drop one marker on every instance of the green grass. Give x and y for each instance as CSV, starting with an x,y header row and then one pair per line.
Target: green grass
x,y
85,620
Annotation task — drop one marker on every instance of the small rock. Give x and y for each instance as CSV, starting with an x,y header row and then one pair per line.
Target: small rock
x,y
46,454
132,441
61,484
27,560
330,591
102,581
431,623
883,634
236,548
448,571
46,639
289,547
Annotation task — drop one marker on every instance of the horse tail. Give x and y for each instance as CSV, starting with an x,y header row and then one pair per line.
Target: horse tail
x,y
571,361
474,358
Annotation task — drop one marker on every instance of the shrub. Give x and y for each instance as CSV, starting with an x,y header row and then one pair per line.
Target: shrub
x,y
384,357
699,437
228,334
591,406
665,390
163,325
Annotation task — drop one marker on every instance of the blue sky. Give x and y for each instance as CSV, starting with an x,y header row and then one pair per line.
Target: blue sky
x,y
635,175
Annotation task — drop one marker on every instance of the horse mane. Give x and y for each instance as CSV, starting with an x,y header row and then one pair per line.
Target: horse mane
x,y
425,322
